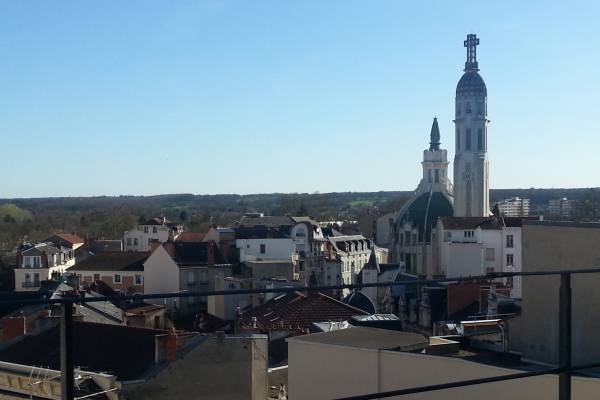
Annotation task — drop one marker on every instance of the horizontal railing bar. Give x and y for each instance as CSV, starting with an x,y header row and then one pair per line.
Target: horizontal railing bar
x,y
470,382
469,278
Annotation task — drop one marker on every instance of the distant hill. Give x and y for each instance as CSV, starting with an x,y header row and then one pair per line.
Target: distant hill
x,y
108,217
10,212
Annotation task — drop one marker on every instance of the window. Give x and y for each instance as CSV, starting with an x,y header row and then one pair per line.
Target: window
x,y
468,139
468,108
149,241
263,248
429,172
36,262
509,241
154,229
437,175
138,279
469,234
457,139
36,277
510,260
447,236
301,265
96,277
414,239
117,278
191,277
145,229
135,241
128,241
479,139
203,276
489,270
490,254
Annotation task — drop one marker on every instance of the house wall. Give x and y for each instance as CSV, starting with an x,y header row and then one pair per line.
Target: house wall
x,y
275,249
162,235
551,247
161,274
261,270
229,368
318,371
20,278
204,281
127,284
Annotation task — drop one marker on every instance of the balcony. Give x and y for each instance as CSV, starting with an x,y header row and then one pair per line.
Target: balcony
x,y
30,285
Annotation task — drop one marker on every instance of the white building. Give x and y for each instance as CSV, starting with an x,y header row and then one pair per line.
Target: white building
x,y
562,208
45,261
470,246
513,207
346,256
155,229
255,244
471,166
283,238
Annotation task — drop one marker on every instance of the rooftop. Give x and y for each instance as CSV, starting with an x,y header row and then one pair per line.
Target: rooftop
x,y
190,237
368,338
297,311
115,261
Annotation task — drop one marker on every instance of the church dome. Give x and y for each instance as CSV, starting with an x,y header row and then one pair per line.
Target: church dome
x,y
359,300
471,83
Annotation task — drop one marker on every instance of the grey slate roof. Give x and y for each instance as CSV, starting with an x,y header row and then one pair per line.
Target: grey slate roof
x,y
117,261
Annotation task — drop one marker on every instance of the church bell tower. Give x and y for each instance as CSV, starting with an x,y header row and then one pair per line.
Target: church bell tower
x,y
471,166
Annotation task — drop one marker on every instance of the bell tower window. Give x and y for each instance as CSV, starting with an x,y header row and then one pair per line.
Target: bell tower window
x,y
468,139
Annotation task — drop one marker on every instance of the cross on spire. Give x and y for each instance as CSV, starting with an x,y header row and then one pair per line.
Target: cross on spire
x,y
471,44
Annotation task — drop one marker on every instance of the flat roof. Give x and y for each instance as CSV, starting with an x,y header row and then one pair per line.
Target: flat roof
x,y
368,338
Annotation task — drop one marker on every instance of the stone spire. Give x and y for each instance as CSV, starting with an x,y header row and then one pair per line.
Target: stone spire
x,y
434,143
372,263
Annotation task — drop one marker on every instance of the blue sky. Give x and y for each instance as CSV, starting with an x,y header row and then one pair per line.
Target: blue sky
x,y
148,97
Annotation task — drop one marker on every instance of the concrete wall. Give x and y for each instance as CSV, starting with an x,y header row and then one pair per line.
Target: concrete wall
x,y
318,371
551,246
218,368
262,270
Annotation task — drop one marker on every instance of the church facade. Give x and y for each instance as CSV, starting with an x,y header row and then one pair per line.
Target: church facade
x,y
436,197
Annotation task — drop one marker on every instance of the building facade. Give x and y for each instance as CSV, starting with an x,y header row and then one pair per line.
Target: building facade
x,y
155,229
477,246
561,208
513,207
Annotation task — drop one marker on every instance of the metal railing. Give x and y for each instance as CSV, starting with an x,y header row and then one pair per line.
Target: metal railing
x,y
564,369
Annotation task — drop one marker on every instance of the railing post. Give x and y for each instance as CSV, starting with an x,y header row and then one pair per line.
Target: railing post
x,y
564,342
67,364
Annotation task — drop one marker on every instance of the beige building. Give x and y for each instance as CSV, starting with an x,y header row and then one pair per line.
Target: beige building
x,y
359,361
548,246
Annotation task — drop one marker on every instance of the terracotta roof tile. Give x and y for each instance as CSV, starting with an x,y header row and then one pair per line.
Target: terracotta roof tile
x,y
297,311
